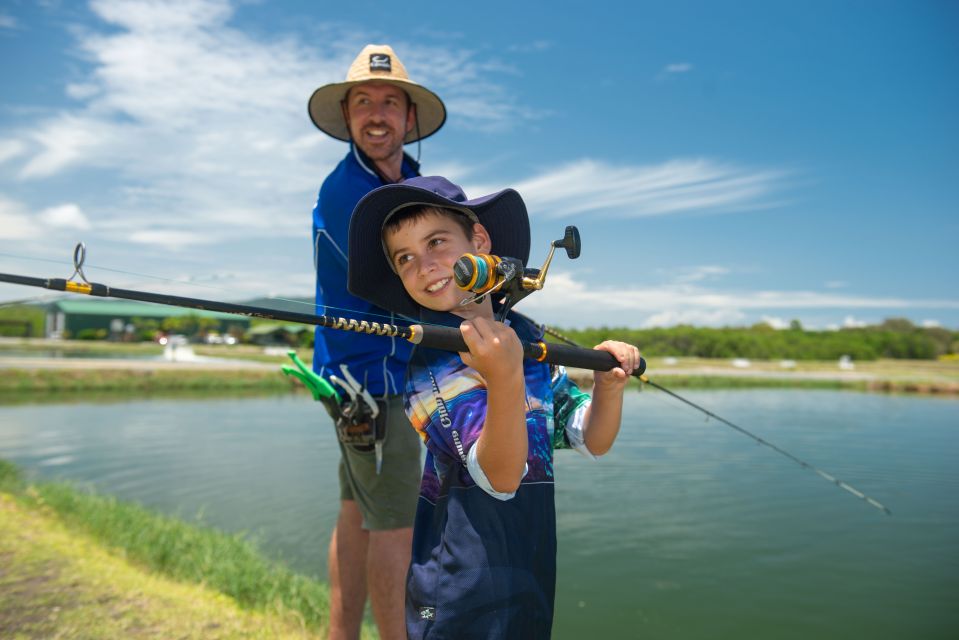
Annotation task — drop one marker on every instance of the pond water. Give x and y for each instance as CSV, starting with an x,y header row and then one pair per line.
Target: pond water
x,y
686,529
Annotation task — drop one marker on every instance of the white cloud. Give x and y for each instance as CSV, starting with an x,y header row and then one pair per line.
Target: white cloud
x,y
570,302
72,140
54,224
172,239
152,15
68,216
678,67
15,221
624,191
697,317
197,131
7,21
836,284
696,274
775,322
10,149
195,126
82,91
465,83
849,322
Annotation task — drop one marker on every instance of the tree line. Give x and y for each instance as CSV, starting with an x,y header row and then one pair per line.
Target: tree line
x,y
894,338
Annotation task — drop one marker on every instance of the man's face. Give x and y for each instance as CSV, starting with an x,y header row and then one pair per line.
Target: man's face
x,y
423,251
379,117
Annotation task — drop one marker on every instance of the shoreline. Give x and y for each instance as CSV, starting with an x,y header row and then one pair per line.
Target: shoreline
x,y
84,564
221,372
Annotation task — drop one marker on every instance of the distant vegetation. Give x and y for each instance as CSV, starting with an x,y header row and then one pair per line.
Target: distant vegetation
x,y
894,338
21,320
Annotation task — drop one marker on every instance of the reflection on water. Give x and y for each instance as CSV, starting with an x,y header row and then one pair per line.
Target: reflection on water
x,y
686,529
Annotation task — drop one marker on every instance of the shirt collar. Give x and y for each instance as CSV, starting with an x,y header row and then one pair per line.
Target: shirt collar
x,y
409,169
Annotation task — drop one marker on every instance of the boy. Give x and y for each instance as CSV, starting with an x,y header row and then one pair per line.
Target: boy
x,y
484,539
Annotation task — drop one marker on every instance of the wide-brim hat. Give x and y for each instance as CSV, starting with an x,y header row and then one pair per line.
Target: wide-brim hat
x,y
376,63
370,275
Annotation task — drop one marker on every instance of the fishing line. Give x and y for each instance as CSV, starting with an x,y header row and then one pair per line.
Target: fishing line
x,y
759,440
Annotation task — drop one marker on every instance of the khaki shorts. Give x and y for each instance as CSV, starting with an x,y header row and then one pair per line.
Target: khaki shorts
x,y
388,500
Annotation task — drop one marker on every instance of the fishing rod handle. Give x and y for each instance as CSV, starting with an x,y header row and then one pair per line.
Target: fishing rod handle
x,y
450,339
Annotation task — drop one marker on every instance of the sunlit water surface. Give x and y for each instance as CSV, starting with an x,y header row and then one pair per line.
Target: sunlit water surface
x,y
686,529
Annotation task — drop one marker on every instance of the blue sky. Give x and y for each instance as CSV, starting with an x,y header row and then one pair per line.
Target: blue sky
x,y
725,162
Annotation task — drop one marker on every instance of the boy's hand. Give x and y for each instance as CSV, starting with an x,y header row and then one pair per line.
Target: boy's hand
x,y
628,357
494,349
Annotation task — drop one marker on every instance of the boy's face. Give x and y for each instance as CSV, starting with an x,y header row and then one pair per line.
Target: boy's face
x,y
423,251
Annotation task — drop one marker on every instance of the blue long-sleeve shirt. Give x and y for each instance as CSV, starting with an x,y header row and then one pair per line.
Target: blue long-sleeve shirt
x,y
378,362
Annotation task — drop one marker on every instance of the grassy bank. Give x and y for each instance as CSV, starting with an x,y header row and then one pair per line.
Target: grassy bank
x,y
122,374
746,382
86,566
105,349
46,381
66,385
81,348
883,376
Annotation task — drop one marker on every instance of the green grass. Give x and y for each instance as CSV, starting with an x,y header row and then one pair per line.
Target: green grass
x,y
18,315
69,384
15,382
103,348
230,564
727,382
251,353
91,348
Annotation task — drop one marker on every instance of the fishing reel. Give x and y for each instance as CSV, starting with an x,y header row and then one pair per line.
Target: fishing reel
x,y
484,274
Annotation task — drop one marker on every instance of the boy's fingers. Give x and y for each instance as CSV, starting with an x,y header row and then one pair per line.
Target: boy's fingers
x,y
470,336
626,354
477,326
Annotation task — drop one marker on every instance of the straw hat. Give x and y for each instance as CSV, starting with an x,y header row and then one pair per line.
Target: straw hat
x,y
376,63
370,275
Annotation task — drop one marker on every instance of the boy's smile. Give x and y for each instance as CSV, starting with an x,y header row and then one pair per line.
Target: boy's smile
x,y
423,250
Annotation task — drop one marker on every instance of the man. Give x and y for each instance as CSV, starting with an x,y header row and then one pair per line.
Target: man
x,y
376,109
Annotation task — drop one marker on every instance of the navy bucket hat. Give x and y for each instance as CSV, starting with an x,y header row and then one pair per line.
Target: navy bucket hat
x,y
370,275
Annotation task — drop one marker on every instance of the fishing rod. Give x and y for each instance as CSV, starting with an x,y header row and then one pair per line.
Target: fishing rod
x,y
425,335
480,274
827,476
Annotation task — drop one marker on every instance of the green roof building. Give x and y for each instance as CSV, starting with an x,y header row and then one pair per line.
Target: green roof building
x,y
67,318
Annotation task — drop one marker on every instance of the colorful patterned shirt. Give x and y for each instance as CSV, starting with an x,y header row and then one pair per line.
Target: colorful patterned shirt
x,y
484,562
